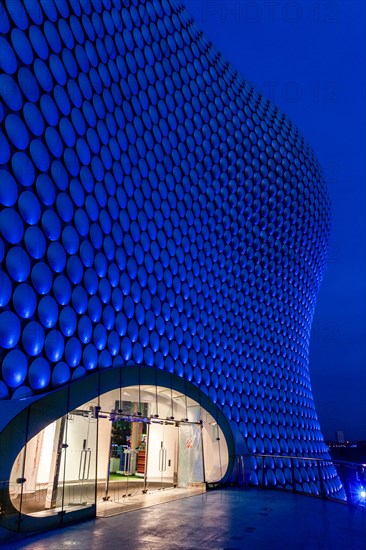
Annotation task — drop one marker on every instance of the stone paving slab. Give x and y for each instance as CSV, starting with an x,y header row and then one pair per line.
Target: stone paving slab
x,y
226,519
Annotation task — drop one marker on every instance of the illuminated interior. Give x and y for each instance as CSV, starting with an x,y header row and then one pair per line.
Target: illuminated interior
x,y
128,443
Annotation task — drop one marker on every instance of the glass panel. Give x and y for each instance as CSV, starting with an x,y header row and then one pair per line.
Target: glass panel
x,y
121,450
216,456
179,405
42,493
162,459
78,460
78,463
224,452
190,463
149,401
11,492
194,411
108,402
170,457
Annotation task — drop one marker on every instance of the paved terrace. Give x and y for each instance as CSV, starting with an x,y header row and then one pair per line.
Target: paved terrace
x,y
226,519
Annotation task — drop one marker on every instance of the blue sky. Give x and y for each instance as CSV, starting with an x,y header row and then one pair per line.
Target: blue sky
x,y
309,58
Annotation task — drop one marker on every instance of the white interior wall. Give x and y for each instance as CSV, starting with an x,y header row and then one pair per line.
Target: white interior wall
x,y
31,467
165,436
45,460
194,412
16,473
104,443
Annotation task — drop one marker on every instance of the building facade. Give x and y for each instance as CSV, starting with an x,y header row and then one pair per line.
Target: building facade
x,y
159,218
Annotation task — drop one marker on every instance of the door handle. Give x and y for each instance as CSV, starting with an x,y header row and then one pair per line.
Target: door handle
x,y
162,459
84,466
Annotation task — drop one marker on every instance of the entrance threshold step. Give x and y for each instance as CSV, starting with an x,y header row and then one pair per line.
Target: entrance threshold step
x,y
110,508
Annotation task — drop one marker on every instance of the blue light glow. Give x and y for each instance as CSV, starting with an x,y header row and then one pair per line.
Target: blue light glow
x,y
171,216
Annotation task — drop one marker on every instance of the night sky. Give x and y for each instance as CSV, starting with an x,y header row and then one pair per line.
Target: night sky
x,y
309,58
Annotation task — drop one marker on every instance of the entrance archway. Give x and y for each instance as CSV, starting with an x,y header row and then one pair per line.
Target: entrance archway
x,y
112,442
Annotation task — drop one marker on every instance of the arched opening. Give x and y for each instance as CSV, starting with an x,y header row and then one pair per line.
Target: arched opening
x,y
148,438
128,443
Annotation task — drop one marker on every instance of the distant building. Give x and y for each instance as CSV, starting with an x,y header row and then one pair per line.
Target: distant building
x,y
339,436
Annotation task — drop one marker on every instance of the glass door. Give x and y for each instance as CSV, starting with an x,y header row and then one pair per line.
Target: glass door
x,y
168,455
162,455
78,465
190,457
121,459
36,471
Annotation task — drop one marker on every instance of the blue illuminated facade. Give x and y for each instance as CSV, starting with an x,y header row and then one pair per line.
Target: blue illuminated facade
x,y
156,210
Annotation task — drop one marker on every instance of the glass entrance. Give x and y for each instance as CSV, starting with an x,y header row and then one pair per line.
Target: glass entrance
x,y
130,448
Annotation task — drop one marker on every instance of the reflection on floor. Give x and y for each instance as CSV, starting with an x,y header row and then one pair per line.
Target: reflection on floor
x,y
234,519
123,495
139,500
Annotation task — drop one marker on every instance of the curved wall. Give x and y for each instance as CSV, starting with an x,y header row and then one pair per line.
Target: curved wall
x,y
156,210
